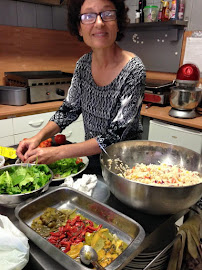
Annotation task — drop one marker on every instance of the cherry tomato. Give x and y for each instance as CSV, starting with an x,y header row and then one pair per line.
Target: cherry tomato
x,y
60,139
46,143
79,160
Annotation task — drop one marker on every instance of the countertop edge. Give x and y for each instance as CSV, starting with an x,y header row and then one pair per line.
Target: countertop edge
x,y
156,112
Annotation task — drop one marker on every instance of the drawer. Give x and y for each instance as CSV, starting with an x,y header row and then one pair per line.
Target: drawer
x,y
30,122
21,136
6,127
185,137
7,141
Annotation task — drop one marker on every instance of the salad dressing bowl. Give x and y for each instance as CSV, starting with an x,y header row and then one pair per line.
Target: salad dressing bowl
x,y
12,200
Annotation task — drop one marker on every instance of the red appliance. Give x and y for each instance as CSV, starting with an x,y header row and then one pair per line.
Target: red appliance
x,y
185,96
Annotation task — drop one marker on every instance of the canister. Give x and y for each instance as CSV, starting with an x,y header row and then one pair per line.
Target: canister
x,y
12,95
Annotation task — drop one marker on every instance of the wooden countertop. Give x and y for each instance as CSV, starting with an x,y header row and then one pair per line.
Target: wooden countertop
x,y
162,113
156,112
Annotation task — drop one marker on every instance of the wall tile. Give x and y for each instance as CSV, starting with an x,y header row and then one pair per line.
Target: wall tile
x,y
59,18
26,14
44,17
8,12
131,2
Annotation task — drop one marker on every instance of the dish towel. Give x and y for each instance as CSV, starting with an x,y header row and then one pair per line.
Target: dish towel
x,y
187,251
86,184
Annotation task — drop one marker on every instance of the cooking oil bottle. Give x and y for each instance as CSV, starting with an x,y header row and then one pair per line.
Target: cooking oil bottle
x,y
165,11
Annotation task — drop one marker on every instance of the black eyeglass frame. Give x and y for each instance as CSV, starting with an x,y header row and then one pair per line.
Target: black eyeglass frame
x,y
98,14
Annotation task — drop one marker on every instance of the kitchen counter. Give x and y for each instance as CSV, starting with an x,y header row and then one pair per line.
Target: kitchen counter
x,y
157,112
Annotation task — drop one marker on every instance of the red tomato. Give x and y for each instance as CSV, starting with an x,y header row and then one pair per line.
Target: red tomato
x,y
79,160
60,139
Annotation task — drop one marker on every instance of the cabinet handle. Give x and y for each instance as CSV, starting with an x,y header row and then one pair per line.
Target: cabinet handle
x,y
36,124
68,134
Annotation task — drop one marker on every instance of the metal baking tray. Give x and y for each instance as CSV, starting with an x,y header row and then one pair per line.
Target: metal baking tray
x,y
124,227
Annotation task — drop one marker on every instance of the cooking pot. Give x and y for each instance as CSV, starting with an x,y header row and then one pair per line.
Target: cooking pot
x,y
156,200
185,99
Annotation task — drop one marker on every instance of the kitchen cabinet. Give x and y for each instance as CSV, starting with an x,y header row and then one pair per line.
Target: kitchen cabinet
x,y
16,129
6,134
181,136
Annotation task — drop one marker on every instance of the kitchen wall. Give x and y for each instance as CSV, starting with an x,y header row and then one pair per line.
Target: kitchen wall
x,y
34,36
18,13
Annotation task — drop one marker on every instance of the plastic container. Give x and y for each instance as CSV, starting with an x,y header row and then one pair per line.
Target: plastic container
x,y
11,95
151,13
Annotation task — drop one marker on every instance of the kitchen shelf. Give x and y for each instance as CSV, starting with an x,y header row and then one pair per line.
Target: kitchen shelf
x,y
176,24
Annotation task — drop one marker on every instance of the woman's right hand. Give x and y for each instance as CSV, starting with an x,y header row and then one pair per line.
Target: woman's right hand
x,y
25,145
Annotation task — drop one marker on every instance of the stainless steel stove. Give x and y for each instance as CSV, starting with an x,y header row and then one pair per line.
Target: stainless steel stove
x,y
41,86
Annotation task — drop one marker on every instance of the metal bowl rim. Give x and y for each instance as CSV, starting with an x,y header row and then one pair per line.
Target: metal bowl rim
x,y
152,186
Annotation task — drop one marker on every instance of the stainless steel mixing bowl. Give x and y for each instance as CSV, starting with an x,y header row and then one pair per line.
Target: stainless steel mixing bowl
x,y
185,99
150,199
12,201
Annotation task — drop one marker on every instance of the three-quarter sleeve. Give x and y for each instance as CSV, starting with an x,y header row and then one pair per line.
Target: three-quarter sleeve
x,y
70,110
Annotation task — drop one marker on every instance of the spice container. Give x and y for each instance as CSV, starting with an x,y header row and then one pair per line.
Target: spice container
x,y
181,9
150,13
160,12
174,10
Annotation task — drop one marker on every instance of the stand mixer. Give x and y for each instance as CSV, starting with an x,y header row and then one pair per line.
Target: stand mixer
x,y
185,96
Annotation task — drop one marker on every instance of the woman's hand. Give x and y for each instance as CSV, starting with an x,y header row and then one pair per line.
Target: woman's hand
x,y
40,155
26,145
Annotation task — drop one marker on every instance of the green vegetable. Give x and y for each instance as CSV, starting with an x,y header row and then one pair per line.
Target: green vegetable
x,y
21,179
65,167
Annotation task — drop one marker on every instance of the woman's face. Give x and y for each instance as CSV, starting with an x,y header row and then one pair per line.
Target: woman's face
x,y
100,34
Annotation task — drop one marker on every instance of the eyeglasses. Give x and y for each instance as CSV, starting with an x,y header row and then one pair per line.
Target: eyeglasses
x,y
106,16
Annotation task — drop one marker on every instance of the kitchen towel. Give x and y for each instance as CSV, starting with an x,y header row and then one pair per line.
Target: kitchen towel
x,y
187,251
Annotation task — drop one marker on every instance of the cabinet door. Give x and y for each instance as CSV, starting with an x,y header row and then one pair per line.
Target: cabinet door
x,y
6,127
185,137
31,122
75,132
6,132
7,141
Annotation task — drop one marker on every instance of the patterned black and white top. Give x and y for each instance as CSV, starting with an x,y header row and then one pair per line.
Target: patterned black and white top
x,y
110,113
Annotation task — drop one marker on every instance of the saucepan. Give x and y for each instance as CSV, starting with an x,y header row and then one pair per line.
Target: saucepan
x,y
156,200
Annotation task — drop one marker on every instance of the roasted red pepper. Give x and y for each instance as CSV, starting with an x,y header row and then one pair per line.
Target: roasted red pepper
x,y
72,233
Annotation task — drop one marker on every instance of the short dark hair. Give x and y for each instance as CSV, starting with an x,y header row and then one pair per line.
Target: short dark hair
x,y
73,21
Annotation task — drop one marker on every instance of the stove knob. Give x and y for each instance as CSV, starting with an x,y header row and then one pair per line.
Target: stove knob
x,y
60,92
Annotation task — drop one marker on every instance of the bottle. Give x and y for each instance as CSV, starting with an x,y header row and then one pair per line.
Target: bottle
x,y
181,9
142,4
174,10
160,12
165,11
137,16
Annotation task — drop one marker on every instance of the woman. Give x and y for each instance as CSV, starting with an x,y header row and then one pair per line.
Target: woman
x,y
107,86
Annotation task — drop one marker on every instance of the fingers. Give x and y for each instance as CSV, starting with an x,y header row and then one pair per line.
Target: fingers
x,y
22,148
